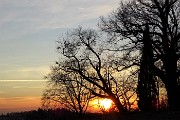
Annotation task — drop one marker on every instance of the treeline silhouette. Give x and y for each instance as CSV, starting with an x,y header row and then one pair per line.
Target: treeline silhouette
x,y
40,114
63,114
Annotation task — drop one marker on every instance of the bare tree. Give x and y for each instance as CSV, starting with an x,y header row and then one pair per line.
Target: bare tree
x,y
66,90
127,25
84,51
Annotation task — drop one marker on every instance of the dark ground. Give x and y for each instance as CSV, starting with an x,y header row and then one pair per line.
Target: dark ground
x,y
158,115
66,115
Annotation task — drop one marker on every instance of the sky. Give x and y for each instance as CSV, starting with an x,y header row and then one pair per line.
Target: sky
x,y
20,95
29,29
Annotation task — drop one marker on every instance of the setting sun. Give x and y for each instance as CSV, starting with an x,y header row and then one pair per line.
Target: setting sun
x,y
106,103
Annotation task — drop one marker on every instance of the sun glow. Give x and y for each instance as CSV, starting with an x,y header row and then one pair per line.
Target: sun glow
x,y
106,103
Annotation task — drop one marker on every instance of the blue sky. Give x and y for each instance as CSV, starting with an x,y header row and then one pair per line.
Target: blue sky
x,y
29,29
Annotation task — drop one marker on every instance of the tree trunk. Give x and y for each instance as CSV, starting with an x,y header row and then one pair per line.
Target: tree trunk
x,y
147,89
118,104
171,80
173,95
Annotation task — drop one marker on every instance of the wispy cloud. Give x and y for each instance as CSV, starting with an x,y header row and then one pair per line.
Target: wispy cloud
x,y
19,99
56,13
28,87
24,73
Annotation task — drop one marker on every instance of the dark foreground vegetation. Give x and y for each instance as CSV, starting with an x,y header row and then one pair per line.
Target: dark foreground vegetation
x,y
62,114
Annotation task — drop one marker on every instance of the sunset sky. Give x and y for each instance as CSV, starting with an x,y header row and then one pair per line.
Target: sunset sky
x,y
29,29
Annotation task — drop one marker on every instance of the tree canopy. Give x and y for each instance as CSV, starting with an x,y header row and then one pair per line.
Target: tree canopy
x,y
142,44
128,23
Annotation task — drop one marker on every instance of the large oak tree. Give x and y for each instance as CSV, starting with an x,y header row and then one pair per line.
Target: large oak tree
x,y
127,24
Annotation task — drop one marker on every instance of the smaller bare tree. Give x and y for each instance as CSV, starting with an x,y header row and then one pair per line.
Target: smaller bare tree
x,y
66,90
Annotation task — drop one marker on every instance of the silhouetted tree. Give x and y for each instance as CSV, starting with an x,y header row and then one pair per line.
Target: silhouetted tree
x,y
84,52
66,90
147,88
126,25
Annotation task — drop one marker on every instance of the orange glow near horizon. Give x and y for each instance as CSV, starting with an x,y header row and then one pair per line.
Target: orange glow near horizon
x,y
20,95
25,95
19,104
